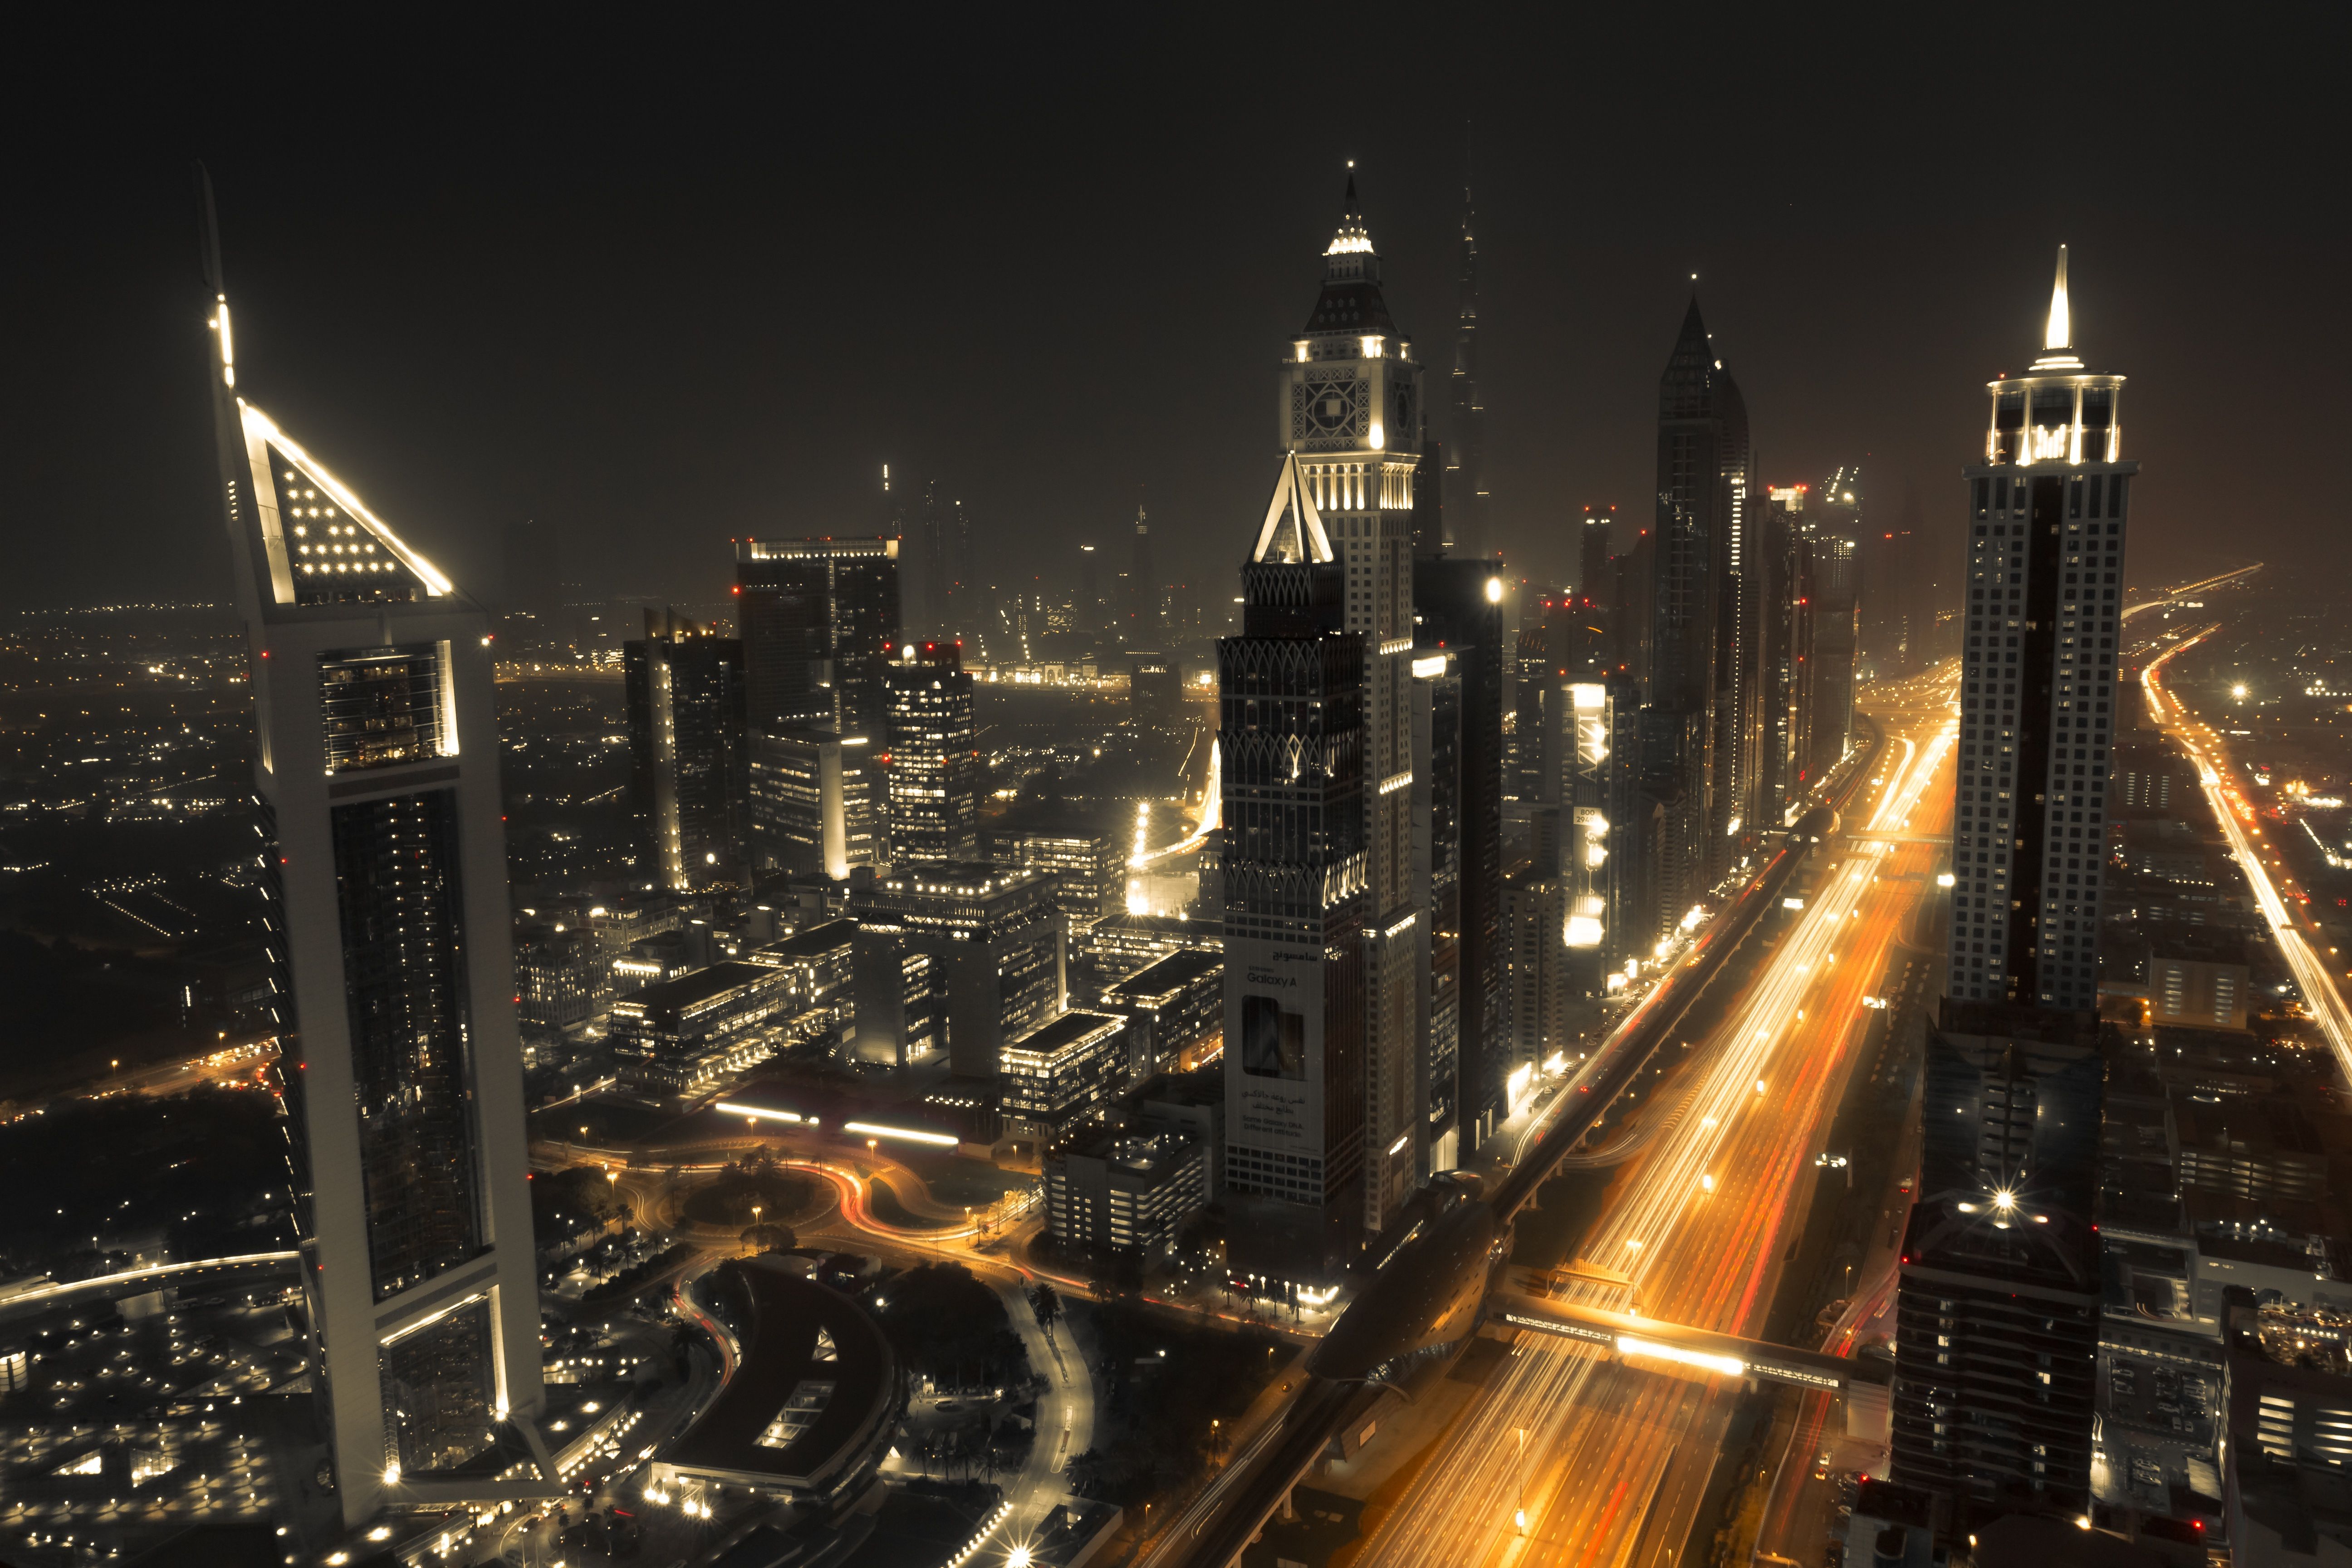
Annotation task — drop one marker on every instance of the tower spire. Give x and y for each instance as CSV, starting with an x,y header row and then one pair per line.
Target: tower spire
x,y
2061,332
1352,237
2058,337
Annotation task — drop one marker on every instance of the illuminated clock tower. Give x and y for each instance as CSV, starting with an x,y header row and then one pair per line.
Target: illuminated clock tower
x,y
1349,405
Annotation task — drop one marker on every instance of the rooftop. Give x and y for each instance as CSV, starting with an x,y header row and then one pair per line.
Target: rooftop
x,y
811,942
1067,1031
697,985
1170,973
819,1387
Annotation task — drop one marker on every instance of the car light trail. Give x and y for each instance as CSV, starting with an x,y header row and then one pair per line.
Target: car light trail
x,y
2320,998
1699,1225
1650,1349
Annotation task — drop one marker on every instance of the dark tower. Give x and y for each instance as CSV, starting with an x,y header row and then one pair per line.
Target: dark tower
x,y
2047,525
1594,576
689,752
1291,701
819,620
1465,449
1999,1304
1143,622
1458,605
1694,643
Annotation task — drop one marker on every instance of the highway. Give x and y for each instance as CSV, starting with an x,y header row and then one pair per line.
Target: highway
x,y
1567,1457
2230,809
2170,596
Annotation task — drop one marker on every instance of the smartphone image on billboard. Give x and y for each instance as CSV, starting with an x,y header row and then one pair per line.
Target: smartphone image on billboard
x,y
1274,1042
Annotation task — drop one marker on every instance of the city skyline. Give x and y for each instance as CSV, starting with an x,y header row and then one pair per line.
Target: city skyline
x,y
1832,310
1047,901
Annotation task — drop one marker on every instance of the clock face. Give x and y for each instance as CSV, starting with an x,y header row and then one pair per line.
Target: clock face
x,y
1329,408
1401,417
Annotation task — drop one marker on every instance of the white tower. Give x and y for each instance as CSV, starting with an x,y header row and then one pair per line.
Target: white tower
x,y
376,773
1349,406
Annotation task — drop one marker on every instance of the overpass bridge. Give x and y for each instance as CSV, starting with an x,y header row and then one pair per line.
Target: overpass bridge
x,y
1432,1279
1670,1347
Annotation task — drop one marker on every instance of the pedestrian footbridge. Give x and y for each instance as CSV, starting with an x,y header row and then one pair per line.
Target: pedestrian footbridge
x,y
1658,1345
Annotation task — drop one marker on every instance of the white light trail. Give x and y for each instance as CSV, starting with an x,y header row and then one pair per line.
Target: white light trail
x,y
1729,1365
2320,996
1470,1489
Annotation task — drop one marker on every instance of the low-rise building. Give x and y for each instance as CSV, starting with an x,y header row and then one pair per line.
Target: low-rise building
x,y
2263,1149
1116,946
1176,1012
1087,861
2290,1403
679,1035
1061,1074
617,925
811,1410
818,960
651,960
2197,992
561,978
1194,1104
1124,1191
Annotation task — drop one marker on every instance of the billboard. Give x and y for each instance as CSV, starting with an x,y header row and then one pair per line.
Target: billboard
x,y
1274,1033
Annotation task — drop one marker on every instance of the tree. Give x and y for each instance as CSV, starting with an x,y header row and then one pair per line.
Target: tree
x,y
1047,1304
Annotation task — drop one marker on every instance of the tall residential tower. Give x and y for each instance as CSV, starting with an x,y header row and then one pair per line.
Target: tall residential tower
x,y
2046,530
2000,1302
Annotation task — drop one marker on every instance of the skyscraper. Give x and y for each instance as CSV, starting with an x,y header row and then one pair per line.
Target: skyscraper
x,y
938,541
2047,509
689,755
934,760
384,864
1698,668
1465,447
2000,1297
819,619
1436,701
1786,663
1457,607
1835,574
1144,623
1593,555
1291,737
1350,410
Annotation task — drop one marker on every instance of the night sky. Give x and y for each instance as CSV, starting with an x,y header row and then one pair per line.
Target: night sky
x,y
673,279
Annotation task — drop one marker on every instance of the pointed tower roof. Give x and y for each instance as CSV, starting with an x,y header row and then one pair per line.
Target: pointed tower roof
x,y
1687,390
2058,337
1293,529
303,536
1352,239
1350,301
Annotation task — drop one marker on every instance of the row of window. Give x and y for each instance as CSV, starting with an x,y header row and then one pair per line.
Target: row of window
x,y
2095,495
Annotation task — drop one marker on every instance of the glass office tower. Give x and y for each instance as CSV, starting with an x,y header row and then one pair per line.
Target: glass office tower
x,y
385,862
